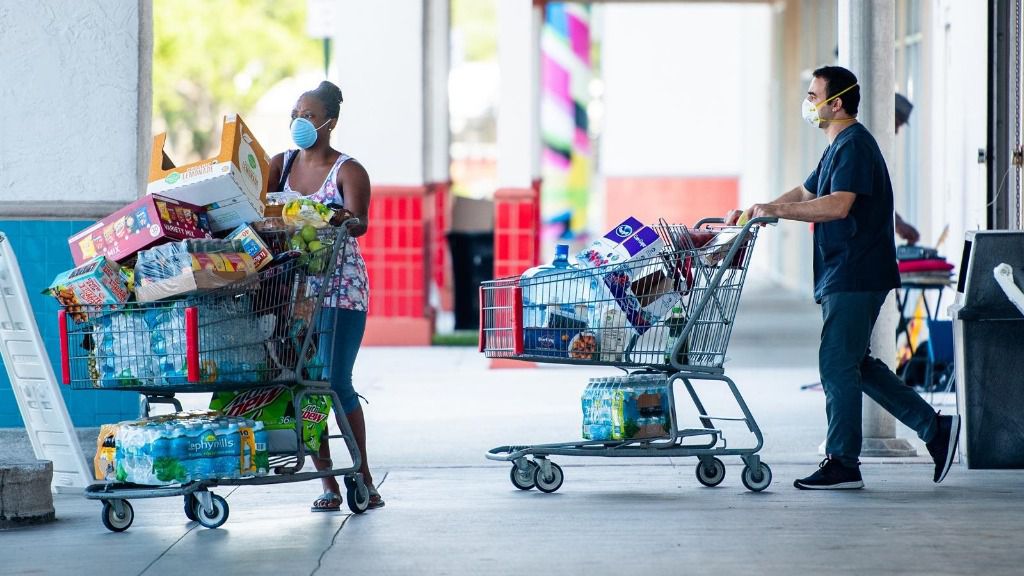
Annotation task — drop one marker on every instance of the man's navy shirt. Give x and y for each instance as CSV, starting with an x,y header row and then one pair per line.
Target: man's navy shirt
x,y
857,253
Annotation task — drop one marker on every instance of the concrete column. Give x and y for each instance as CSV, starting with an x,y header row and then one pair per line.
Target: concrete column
x,y
438,163
866,47
382,55
519,24
517,200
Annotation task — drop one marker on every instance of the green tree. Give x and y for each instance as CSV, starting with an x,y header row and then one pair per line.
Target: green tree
x,y
212,57
478,21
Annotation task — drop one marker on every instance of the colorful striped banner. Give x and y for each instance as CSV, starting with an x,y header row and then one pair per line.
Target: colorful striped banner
x,y
565,164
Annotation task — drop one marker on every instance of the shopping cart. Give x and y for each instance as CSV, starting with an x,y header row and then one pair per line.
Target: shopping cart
x,y
663,320
261,332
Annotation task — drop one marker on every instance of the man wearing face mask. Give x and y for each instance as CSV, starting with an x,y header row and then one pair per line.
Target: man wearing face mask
x,y
849,198
321,173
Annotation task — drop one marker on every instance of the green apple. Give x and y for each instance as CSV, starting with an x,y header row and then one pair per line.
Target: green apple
x,y
308,234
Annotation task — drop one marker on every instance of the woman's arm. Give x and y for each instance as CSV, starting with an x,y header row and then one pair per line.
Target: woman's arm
x,y
276,166
354,183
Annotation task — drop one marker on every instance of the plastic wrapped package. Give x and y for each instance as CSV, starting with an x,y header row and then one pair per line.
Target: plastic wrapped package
x,y
190,266
122,344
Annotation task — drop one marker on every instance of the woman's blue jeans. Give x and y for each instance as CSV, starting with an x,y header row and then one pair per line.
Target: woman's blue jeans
x,y
342,337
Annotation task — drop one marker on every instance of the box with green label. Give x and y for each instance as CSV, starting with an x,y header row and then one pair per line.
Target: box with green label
x,y
232,186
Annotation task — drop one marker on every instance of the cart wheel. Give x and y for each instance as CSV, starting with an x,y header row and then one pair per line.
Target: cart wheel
x,y
524,480
357,494
755,481
710,472
550,483
117,522
215,517
190,507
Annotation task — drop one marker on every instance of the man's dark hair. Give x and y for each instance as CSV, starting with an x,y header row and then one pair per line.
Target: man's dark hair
x,y
838,79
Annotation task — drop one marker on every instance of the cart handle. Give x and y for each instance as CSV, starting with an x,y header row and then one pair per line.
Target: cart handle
x,y
192,343
65,359
758,220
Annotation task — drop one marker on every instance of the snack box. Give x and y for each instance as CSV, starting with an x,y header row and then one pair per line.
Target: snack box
x,y
95,283
232,185
253,244
146,222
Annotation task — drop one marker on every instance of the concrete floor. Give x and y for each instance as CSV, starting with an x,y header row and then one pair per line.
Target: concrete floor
x,y
433,413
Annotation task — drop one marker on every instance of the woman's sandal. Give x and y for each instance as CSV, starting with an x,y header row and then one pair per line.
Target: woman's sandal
x,y
375,500
327,502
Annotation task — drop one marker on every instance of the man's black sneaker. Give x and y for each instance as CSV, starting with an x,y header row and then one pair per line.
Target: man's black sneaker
x,y
943,446
832,475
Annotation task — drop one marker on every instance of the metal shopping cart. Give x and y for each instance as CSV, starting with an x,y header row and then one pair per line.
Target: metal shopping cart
x,y
260,333
662,320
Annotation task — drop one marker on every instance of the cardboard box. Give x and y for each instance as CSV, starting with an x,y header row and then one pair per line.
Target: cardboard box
x,y
232,185
146,222
94,283
472,215
607,249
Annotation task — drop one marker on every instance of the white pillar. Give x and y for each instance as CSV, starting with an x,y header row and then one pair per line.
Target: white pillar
x,y
437,65
519,24
866,47
379,50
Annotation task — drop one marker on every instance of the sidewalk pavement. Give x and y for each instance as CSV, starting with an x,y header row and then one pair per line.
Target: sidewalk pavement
x,y
434,412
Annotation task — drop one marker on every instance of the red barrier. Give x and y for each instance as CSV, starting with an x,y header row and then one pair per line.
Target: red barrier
x,y
397,261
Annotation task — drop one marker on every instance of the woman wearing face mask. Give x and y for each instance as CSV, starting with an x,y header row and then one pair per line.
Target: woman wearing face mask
x,y
325,175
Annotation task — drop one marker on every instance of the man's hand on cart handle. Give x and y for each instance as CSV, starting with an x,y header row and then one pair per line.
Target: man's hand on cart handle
x,y
762,214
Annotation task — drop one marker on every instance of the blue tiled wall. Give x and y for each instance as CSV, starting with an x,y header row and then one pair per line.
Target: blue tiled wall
x,y
41,247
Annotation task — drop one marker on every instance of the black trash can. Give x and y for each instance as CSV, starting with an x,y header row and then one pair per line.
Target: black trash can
x,y
989,352
472,263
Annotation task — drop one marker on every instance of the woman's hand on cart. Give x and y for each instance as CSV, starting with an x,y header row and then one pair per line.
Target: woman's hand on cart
x,y
343,217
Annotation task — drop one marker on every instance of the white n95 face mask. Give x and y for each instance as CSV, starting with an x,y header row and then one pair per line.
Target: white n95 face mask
x,y
809,110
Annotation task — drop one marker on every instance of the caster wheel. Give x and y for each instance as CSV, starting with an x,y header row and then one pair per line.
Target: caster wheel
x,y
190,507
757,480
215,517
710,472
117,522
548,483
523,479
357,495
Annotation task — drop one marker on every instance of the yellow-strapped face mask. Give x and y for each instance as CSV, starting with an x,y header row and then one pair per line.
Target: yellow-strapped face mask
x,y
810,110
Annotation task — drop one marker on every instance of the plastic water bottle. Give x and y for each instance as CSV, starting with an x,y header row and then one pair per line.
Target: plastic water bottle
x,y
179,449
233,450
676,322
201,436
539,291
602,427
262,453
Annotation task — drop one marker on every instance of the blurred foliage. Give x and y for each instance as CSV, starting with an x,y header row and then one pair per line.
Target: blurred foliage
x,y
478,21
212,57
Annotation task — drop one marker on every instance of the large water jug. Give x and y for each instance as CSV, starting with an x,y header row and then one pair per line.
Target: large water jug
x,y
543,285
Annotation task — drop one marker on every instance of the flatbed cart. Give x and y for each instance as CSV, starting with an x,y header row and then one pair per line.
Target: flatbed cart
x,y
259,332
597,316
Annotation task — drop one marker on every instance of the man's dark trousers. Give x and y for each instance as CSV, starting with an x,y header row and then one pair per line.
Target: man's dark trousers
x,y
847,369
